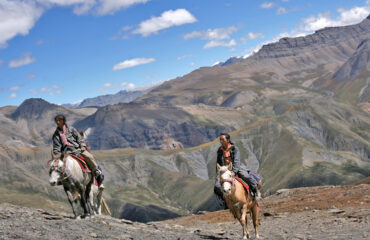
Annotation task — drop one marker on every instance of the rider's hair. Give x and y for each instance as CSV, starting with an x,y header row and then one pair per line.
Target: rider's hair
x,y
227,136
61,117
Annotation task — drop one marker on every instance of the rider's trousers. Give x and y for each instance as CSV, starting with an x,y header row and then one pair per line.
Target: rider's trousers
x,y
90,160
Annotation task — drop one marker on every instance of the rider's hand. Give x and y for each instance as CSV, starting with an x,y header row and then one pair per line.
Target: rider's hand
x,y
83,149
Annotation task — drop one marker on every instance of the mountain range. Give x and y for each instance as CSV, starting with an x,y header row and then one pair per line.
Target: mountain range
x,y
298,110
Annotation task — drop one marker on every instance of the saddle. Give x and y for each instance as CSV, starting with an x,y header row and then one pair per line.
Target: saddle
x,y
84,167
245,185
81,162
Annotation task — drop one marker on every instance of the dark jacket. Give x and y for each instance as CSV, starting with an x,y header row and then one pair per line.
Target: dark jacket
x,y
235,157
72,136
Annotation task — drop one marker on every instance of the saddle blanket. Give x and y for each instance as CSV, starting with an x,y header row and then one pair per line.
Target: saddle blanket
x,y
243,183
81,162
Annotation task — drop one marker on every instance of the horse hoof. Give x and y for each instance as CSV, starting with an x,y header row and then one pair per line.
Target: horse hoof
x,y
77,217
257,236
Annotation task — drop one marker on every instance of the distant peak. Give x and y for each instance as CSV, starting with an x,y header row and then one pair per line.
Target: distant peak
x,y
32,107
35,100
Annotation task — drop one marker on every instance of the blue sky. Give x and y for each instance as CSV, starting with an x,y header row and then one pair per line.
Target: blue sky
x,y
66,50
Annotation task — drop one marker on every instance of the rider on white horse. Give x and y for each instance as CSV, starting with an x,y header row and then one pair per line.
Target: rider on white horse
x,y
227,153
68,138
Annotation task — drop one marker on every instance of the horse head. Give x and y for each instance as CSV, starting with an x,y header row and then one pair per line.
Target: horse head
x,y
226,177
56,172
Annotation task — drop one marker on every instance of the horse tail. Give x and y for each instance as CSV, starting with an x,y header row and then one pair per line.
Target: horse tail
x,y
105,207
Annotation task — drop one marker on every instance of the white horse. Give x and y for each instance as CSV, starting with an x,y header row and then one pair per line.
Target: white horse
x,y
76,183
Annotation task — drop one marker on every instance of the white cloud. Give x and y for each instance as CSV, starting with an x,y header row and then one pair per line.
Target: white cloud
x,y
30,76
212,34
23,60
215,36
184,56
111,6
17,18
281,10
100,7
127,86
346,17
132,63
122,33
15,88
13,95
107,85
52,91
12,88
167,19
216,43
252,36
267,5
130,86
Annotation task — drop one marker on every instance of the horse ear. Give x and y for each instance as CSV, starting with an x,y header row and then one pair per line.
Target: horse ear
x,y
230,167
218,166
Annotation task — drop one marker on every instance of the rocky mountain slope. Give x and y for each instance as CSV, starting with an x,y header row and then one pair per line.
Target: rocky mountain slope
x,y
32,122
297,62
326,212
122,96
298,147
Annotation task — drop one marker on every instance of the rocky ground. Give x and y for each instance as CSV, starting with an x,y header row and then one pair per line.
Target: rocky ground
x,y
326,212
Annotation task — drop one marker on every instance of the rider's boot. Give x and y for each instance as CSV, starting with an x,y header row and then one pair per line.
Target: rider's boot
x,y
256,193
99,177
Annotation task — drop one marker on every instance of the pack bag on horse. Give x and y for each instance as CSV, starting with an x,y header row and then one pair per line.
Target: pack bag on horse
x,y
229,153
238,198
68,139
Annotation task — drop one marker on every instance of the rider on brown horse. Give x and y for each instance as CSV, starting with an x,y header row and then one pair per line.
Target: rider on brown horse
x,y
67,138
227,153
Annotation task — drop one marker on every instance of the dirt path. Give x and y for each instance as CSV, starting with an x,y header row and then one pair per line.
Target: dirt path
x,y
305,213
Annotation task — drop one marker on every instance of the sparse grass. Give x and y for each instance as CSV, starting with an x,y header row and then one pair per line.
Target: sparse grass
x,y
349,90
186,191
281,163
324,173
31,199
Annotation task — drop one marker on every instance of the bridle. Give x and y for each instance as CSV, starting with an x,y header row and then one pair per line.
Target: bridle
x,y
222,181
231,181
55,167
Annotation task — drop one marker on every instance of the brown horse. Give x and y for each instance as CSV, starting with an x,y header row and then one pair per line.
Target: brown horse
x,y
238,200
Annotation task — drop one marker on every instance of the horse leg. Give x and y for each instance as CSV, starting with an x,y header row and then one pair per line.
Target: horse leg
x,y
72,202
243,221
99,198
83,201
91,202
255,218
89,199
